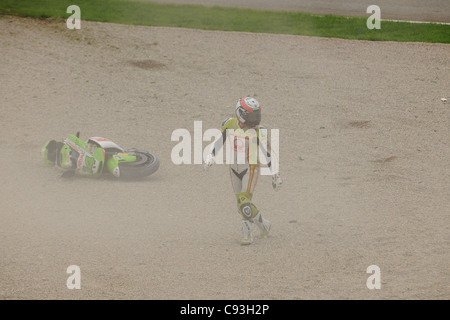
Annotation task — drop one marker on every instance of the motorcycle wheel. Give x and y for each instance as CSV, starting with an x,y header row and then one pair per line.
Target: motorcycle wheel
x,y
146,164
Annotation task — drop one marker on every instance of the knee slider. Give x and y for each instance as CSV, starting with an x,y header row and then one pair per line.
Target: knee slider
x,y
246,208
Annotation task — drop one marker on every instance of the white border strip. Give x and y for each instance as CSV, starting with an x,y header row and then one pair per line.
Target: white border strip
x,y
447,23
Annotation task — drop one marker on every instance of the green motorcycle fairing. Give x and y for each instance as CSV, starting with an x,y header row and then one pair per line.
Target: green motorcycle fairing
x,y
90,157
48,152
57,154
113,163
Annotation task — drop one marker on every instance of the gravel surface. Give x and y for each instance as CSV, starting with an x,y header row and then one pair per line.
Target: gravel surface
x,y
364,154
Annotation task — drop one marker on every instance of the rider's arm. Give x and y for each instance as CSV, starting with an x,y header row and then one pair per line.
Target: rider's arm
x,y
266,151
273,164
219,142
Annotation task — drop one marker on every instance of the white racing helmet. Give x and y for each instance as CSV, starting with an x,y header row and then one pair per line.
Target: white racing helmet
x,y
248,111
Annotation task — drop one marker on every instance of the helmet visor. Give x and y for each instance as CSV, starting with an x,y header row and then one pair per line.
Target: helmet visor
x,y
253,118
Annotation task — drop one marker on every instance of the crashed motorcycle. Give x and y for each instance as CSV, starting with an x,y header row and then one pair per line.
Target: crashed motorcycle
x,y
97,157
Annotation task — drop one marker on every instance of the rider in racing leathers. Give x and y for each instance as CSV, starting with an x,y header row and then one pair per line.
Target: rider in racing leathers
x,y
248,140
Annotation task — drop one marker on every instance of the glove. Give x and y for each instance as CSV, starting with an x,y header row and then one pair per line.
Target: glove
x,y
276,182
208,161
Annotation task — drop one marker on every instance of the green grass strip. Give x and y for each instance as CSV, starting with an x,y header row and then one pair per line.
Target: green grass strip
x,y
229,19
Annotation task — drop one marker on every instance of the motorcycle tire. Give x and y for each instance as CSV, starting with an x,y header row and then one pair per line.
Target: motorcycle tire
x,y
146,164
